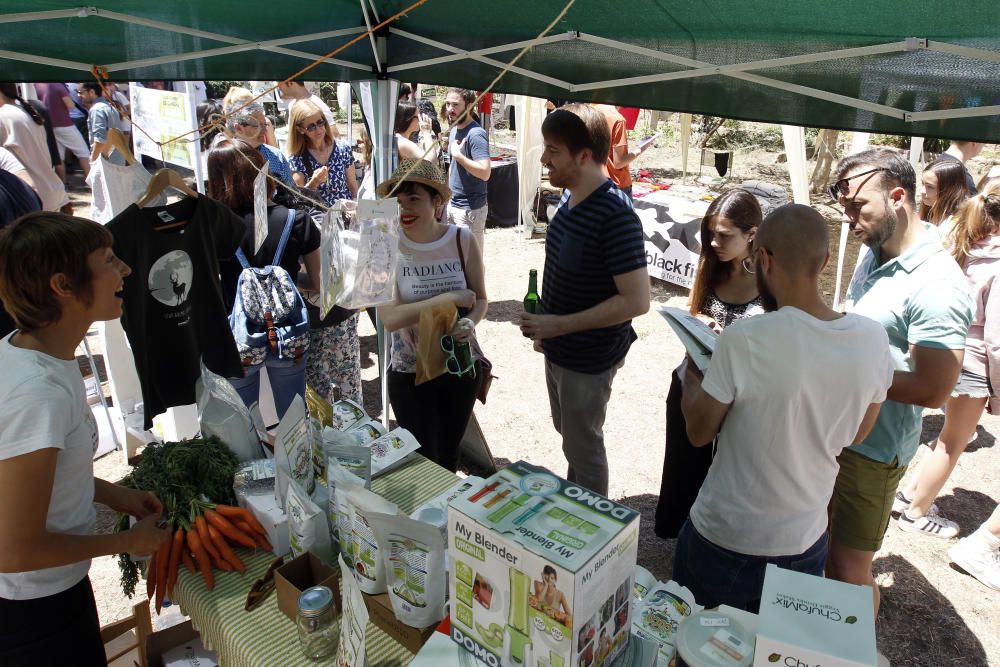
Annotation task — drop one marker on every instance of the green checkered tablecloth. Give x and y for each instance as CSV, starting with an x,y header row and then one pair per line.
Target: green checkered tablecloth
x,y
265,637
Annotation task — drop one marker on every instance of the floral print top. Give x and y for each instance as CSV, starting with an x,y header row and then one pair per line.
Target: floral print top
x,y
341,158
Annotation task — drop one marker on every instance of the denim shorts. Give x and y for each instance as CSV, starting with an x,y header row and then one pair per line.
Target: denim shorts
x,y
719,576
972,385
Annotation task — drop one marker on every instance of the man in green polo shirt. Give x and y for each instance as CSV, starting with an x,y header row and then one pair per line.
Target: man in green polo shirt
x,y
916,291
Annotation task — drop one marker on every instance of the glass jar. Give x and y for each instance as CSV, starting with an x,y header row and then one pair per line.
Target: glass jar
x,y
318,625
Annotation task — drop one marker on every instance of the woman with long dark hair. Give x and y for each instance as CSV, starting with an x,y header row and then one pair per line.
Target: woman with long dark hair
x,y
232,169
974,242
725,290
22,132
410,121
944,191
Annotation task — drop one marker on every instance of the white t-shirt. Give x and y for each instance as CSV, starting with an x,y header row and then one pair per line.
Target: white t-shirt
x,y
315,99
115,187
43,404
798,388
20,135
9,162
424,271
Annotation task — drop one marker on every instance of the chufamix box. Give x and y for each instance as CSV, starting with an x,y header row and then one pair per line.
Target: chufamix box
x,y
541,571
808,621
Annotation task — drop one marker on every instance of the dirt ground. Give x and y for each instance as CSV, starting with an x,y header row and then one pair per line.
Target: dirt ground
x,y
931,613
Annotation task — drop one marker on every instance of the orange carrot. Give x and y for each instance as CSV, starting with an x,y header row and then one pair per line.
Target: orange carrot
x,y
194,543
225,566
202,527
162,561
176,547
238,513
151,577
226,550
187,560
229,530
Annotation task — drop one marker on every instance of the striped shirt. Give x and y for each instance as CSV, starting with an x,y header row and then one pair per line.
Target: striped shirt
x,y
586,246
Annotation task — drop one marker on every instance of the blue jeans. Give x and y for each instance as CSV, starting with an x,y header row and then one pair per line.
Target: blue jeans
x,y
720,576
287,379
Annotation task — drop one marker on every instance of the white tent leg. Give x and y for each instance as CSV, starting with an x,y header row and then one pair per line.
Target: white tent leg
x,y
795,149
685,143
916,151
860,141
100,393
844,229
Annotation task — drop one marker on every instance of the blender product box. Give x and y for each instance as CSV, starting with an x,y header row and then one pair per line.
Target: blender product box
x,y
806,620
541,571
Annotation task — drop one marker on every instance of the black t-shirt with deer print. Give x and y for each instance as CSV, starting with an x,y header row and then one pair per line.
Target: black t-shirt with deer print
x,y
173,306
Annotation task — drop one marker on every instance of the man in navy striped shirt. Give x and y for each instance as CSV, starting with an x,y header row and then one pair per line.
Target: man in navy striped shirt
x,y
595,282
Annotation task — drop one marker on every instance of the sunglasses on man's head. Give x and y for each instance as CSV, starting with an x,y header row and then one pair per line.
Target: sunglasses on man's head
x,y
311,127
843,186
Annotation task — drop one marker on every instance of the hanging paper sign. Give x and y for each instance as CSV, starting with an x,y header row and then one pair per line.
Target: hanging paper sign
x,y
331,274
260,209
371,250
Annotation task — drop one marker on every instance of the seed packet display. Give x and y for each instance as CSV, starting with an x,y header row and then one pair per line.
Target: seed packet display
x,y
338,509
345,414
392,450
369,567
413,554
293,450
355,459
354,621
660,613
307,529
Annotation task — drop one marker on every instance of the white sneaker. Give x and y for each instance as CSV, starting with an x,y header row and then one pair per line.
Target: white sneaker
x,y
901,503
979,559
930,524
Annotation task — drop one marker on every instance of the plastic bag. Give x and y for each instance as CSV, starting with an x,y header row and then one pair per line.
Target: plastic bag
x,y
293,452
221,413
413,555
369,568
370,252
307,528
331,277
659,614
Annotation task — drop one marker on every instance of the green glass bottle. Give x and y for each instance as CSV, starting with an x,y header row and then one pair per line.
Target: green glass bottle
x,y
532,302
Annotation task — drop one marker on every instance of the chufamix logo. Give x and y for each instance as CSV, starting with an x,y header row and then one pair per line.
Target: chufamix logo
x,y
826,611
791,661
474,647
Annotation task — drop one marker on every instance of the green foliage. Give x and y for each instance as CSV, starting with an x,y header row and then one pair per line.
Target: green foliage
x,y
216,90
892,140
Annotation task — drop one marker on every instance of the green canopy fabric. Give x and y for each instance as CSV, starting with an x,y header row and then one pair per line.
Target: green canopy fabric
x,y
916,67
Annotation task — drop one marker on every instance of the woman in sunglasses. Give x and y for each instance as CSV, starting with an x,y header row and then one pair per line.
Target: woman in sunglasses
x,y
438,410
319,160
725,290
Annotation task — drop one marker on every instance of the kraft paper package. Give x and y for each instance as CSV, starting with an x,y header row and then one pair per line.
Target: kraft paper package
x,y
221,413
413,555
307,528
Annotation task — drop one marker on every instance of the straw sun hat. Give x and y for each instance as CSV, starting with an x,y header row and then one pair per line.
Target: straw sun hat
x,y
424,172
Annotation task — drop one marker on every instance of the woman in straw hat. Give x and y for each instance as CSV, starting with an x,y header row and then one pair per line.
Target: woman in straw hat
x,y
436,411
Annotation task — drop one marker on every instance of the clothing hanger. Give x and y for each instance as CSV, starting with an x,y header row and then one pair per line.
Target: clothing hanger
x,y
119,143
163,179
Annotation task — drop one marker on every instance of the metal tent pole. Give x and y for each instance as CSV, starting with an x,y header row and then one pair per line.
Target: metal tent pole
x,y
100,392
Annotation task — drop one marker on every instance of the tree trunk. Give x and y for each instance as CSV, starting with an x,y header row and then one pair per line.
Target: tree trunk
x,y
826,142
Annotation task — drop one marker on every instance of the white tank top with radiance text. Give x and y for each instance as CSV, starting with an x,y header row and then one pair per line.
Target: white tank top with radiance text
x,y
425,270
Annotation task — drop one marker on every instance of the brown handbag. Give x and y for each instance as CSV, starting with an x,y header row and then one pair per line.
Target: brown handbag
x,y
483,365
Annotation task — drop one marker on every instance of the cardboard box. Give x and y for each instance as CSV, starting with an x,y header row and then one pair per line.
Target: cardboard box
x,y
271,517
159,644
806,620
381,614
541,571
299,574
